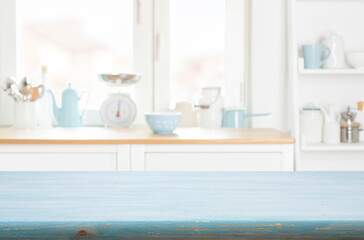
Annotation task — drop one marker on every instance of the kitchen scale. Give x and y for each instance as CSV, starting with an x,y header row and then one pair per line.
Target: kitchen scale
x,y
119,110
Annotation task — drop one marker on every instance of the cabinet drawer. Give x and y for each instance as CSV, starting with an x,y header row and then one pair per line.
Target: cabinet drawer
x,y
58,162
213,162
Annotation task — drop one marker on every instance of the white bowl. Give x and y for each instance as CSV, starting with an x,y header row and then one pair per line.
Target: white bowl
x,y
355,59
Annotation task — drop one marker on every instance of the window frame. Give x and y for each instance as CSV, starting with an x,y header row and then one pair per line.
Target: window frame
x,y
7,56
236,53
151,57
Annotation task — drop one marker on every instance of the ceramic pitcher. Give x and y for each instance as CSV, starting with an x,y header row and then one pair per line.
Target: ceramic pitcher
x,y
335,43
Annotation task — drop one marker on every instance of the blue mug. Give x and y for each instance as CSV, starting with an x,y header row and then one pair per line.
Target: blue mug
x,y
315,55
236,118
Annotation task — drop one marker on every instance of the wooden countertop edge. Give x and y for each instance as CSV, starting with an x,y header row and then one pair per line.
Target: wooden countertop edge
x,y
147,141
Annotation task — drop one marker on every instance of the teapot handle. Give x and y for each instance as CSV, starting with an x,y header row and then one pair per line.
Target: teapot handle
x,y
88,97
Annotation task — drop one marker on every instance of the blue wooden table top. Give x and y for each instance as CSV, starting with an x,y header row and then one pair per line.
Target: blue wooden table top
x,y
213,201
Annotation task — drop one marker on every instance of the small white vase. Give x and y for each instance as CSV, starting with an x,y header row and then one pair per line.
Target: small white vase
x,y
335,43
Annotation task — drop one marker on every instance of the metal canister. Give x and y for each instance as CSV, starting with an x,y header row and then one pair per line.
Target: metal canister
x,y
349,130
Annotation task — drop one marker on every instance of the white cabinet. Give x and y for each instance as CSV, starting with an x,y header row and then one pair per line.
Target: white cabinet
x,y
208,157
146,157
58,162
213,162
58,158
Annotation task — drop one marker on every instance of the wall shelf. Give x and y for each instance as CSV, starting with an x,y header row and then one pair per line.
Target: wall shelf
x,y
341,147
339,87
310,1
331,71
347,71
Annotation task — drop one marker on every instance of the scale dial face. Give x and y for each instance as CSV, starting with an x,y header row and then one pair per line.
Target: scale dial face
x,y
118,111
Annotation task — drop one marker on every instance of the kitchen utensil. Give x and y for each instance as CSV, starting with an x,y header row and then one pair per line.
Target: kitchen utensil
x,y
311,123
350,132
360,105
335,43
41,90
35,94
331,129
69,115
349,128
189,115
25,114
27,97
315,55
121,78
16,94
163,122
348,116
8,82
119,110
11,88
24,86
24,92
360,117
355,59
235,117
45,116
211,105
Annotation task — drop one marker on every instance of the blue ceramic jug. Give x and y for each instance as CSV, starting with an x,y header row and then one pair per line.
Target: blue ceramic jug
x,y
69,115
236,117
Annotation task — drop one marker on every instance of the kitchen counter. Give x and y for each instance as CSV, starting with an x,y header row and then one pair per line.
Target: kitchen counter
x,y
95,135
180,205
138,149
143,135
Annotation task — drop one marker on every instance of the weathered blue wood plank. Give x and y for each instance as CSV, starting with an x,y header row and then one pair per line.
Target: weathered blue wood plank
x,y
184,230
137,205
146,196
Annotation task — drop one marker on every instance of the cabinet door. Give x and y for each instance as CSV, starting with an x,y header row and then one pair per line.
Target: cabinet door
x,y
58,162
213,162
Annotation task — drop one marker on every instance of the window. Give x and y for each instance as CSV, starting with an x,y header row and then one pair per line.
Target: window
x,y
197,47
199,43
179,46
77,40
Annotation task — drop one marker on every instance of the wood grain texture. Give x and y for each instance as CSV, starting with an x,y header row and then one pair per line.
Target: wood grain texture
x,y
331,230
177,205
142,136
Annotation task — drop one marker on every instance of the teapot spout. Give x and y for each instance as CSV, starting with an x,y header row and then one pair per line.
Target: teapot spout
x,y
56,109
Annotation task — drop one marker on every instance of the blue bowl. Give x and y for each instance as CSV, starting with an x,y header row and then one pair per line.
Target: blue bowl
x,y
163,122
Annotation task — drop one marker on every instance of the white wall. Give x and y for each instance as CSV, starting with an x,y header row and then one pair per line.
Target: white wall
x,y
268,64
7,56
